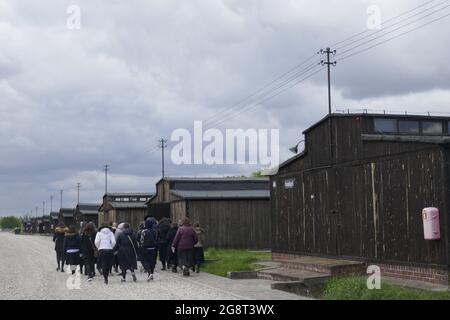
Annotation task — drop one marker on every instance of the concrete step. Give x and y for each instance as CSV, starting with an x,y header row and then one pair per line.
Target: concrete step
x,y
334,267
301,282
288,274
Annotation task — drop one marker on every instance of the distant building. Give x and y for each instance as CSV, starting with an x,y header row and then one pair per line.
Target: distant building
x,y
235,212
67,215
358,189
47,225
87,212
124,207
54,218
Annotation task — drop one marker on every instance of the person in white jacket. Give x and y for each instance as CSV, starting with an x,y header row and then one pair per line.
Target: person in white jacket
x,y
105,242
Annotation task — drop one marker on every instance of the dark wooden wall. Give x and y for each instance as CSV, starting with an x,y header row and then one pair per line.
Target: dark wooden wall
x,y
159,210
370,210
241,224
134,217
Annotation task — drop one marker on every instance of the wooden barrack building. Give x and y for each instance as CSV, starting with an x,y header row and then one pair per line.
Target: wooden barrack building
x,y
358,189
124,207
235,212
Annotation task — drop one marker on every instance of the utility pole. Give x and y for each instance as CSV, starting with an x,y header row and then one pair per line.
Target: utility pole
x,y
328,63
106,178
36,211
51,203
78,197
162,145
43,208
61,194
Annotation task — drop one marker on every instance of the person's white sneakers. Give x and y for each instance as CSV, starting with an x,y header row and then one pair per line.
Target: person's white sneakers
x,y
89,279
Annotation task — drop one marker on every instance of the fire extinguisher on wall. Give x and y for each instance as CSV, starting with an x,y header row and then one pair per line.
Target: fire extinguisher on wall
x,y
431,225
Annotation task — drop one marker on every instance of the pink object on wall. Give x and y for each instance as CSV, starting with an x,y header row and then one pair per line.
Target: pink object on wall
x,y
431,228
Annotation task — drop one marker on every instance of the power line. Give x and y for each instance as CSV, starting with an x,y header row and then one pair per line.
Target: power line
x,y
395,37
262,88
286,81
281,85
272,96
389,20
392,31
397,23
273,86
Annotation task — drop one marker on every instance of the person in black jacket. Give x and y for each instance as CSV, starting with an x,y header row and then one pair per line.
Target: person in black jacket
x,y
58,239
162,229
88,249
149,243
172,258
72,248
139,248
126,247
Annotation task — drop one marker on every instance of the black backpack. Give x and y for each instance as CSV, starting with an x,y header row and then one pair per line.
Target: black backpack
x,y
148,238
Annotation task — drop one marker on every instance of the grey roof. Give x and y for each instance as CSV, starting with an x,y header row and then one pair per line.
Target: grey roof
x,y
130,194
128,204
215,179
54,215
220,184
222,194
377,115
67,212
88,208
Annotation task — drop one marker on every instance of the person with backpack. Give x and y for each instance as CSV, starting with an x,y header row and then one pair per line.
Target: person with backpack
x,y
139,247
58,239
163,228
149,243
89,251
184,242
172,255
105,242
126,247
72,248
199,256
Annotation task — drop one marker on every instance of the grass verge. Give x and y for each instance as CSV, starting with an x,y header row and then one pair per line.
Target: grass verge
x,y
220,261
355,288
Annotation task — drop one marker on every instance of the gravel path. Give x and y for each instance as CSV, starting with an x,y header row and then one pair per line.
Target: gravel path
x,y
28,271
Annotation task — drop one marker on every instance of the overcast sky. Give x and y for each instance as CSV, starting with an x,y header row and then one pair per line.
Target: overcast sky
x,y
72,100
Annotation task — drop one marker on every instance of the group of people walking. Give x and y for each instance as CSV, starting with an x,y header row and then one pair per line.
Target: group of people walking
x,y
115,246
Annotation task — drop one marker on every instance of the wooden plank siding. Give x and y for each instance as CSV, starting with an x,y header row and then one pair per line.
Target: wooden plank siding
x,y
366,204
240,224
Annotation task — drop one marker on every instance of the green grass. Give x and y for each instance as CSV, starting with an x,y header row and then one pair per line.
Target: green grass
x,y
355,288
220,261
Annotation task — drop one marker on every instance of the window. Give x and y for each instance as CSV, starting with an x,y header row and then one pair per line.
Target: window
x,y
432,127
143,199
383,125
126,199
134,199
408,126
